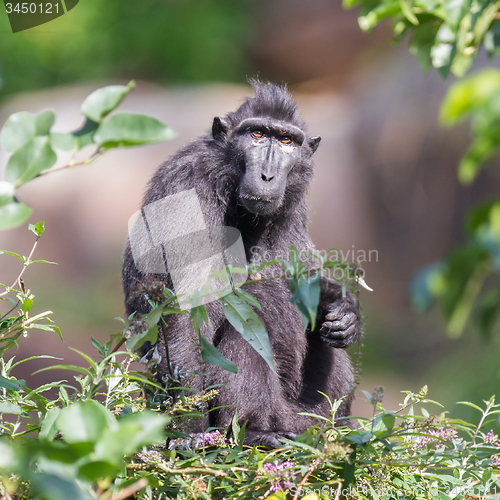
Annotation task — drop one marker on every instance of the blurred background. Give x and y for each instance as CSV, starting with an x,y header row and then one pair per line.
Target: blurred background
x,y
385,170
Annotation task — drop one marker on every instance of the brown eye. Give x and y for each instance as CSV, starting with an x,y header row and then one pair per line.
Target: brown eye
x,y
286,139
257,134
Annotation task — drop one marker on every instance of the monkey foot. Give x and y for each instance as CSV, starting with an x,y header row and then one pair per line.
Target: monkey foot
x,y
269,439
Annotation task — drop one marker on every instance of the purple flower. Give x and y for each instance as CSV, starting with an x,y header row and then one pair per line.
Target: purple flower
x,y
278,474
440,435
377,395
496,461
214,438
491,438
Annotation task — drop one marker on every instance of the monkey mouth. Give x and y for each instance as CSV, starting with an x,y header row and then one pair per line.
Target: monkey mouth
x,y
260,205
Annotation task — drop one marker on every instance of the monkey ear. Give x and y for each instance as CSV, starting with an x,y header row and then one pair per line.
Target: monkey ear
x,y
314,142
219,128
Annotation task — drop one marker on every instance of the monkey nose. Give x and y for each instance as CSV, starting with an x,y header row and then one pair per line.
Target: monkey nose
x,y
267,177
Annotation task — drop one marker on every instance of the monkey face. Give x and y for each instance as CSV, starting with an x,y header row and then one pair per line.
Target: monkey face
x,y
269,151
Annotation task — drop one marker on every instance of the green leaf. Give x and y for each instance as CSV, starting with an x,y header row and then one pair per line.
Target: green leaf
x,y
44,121
422,42
246,322
6,193
127,129
10,385
102,101
421,290
28,161
22,127
75,368
492,40
406,9
85,421
17,256
7,455
389,420
139,339
455,10
372,16
56,487
470,165
98,470
247,298
279,496
11,408
235,426
472,405
49,424
485,20
85,134
212,356
66,142
38,228
27,304
198,315
13,215
473,93
306,298
98,346
153,318
132,432
17,131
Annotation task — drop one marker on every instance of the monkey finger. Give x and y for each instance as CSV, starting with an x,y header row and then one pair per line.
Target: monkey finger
x,y
340,339
340,314
341,323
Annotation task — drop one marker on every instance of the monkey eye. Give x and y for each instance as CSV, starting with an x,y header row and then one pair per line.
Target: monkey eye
x,y
286,139
257,134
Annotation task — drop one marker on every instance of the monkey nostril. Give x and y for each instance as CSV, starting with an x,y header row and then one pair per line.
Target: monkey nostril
x,y
267,178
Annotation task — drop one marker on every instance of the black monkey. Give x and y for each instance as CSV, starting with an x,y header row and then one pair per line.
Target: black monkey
x,y
252,173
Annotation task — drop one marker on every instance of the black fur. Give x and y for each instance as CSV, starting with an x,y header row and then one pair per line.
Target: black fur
x,y
264,198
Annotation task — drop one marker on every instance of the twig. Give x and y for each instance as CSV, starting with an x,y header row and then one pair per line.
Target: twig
x,y
25,265
163,326
131,490
339,490
37,317
184,471
122,341
90,159
312,468
24,323
481,422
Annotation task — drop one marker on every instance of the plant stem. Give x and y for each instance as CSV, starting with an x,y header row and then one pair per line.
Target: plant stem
x,y
71,164
312,468
183,471
25,265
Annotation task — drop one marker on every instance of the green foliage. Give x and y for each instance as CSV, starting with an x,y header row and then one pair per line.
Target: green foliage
x,y
447,34
245,321
476,98
164,42
305,289
466,283
32,143
444,34
113,432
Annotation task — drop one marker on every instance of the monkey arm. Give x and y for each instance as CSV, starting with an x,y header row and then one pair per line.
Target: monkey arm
x,y
339,318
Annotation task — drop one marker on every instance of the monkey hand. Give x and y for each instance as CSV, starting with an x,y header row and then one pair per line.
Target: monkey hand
x,y
342,324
